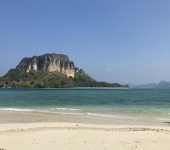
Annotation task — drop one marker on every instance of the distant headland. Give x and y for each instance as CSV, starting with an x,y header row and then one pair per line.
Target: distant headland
x,y
50,71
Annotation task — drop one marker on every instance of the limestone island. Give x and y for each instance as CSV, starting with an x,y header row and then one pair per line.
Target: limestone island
x,y
50,71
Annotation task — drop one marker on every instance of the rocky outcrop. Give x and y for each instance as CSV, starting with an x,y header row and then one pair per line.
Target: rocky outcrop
x,y
42,72
50,63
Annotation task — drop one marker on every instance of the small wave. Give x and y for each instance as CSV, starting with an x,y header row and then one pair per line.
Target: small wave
x,y
16,109
71,109
100,115
109,116
163,119
52,111
65,113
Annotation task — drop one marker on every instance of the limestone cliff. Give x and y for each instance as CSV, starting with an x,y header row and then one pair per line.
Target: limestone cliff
x,y
49,71
51,63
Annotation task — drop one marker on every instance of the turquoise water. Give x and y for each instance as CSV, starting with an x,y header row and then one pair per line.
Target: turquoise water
x,y
108,103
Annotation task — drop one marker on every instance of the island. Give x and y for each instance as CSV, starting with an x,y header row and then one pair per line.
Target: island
x,y
50,71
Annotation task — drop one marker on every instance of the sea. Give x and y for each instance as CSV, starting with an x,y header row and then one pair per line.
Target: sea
x,y
108,103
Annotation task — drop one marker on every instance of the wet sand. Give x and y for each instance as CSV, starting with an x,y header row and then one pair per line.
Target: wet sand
x,y
32,117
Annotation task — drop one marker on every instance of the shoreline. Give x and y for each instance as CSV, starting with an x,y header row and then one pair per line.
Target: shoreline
x,y
30,126
36,117
69,88
64,135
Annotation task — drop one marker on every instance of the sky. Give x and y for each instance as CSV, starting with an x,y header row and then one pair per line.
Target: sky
x,y
125,41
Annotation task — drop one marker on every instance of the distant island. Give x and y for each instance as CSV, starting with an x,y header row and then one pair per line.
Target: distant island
x,y
50,71
162,84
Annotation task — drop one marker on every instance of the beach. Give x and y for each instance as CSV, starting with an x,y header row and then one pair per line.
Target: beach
x,y
75,136
84,75
84,119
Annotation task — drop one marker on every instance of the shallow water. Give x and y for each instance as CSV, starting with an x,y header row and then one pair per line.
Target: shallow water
x,y
134,104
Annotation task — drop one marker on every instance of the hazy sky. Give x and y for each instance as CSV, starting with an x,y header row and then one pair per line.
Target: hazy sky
x,y
124,41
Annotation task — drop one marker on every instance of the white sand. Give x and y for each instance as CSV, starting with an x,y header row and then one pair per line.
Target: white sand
x,y
73,136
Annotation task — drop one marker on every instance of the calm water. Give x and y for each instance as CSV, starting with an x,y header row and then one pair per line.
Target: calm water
x,y
109,103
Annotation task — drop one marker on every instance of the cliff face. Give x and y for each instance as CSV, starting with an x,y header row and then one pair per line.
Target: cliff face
x,y
49,71
50,63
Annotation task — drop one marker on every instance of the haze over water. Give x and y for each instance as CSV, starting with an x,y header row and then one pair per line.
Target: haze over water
x,y
136,104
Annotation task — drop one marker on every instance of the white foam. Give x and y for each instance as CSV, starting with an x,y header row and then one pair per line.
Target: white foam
x,y
110,116
24,109
71,109
53,111
16,109
66,113
164,119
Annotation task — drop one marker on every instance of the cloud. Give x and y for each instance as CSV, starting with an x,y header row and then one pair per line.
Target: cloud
x,y
156,76
108,69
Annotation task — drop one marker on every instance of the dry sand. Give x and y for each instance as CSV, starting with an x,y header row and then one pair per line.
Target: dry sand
x,y
74,136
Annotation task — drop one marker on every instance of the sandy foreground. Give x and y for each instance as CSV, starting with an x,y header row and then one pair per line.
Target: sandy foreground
x,y
74,136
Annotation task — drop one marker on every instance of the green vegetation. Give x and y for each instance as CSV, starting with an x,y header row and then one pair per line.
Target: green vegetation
x,y
17,78
83,80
